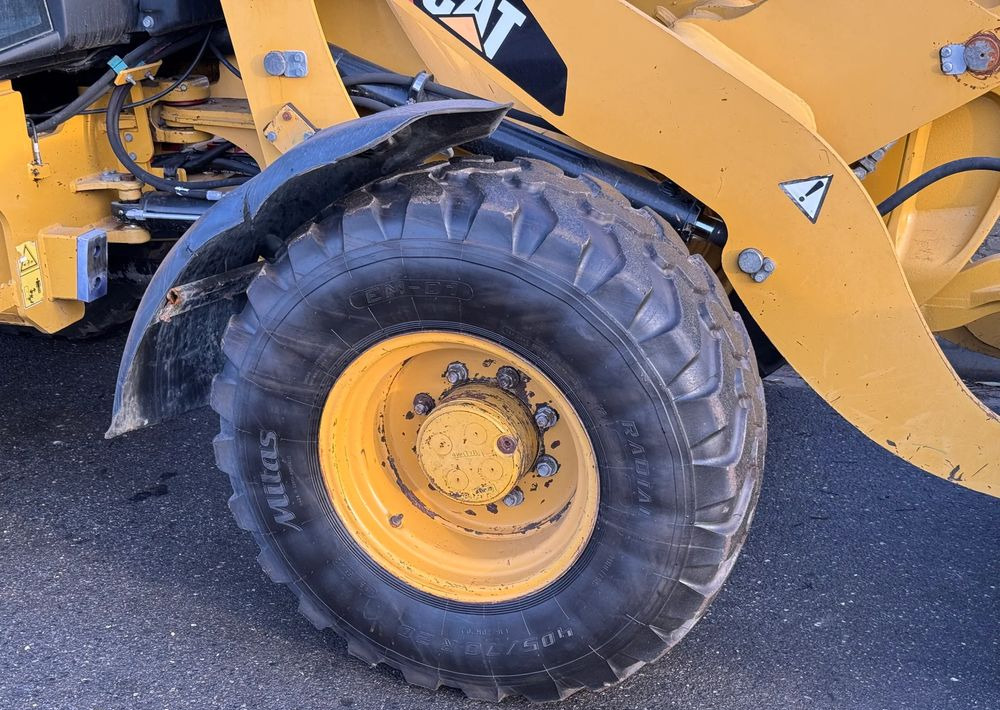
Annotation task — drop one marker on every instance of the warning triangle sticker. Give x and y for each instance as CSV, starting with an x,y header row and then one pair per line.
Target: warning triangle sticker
x,y
809,194
27,257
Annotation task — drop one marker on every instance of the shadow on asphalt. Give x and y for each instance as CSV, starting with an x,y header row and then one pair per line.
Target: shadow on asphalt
x,y
865,583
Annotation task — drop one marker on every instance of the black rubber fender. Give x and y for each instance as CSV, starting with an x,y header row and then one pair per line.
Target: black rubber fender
x,y
170,358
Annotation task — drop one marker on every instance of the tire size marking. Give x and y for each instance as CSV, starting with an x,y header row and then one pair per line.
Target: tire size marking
x,y
407,288
504,647
274,488
640,464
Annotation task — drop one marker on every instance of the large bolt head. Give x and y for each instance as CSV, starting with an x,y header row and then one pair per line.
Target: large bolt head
x,y
751,261
506,445
148,22
546,466
457,372
423,403
514,498
982,54
275,63
546,417
508,378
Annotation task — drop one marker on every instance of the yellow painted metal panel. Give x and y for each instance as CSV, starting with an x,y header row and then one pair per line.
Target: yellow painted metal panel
x,y
838,305
261,26
870,69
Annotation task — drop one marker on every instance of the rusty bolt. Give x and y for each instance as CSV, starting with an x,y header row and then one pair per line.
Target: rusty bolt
x,y
423,403
508,378
546,466
286,116
507,445
457,372
546,417
982,54
514,498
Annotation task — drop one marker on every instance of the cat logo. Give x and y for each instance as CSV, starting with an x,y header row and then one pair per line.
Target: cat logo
x,y
508,36
471,21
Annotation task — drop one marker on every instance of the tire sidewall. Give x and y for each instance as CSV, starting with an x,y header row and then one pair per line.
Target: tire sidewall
x,y
309,335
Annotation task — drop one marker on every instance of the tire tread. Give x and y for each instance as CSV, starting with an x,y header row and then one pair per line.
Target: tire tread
x,y
632,264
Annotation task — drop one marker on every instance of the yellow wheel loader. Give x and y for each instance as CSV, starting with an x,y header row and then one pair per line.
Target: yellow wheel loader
x,y
482,290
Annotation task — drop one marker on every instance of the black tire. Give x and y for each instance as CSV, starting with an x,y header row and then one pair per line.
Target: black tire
x,y
607,301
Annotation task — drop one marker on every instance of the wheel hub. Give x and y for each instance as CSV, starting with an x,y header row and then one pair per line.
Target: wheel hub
x,y
476,444
454,484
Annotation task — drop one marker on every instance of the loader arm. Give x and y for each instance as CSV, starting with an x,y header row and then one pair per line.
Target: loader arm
x,y
838,304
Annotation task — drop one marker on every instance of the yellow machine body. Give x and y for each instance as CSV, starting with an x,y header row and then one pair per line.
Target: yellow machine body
x,y
743,103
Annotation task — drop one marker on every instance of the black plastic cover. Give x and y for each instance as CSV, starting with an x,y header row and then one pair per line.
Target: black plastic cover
x,y
170,360
42,34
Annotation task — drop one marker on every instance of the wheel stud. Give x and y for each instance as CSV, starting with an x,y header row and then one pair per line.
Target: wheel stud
x,y
546,417
508,378
546,466
507,445
423,403
514,498
456,373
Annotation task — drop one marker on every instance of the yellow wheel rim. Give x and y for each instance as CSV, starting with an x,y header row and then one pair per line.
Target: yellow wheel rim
x,y
437,479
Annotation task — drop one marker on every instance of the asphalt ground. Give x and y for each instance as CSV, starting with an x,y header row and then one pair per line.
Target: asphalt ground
x,y
124,583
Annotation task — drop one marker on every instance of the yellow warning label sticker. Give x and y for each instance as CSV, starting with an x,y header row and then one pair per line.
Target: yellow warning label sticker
x,y
29,272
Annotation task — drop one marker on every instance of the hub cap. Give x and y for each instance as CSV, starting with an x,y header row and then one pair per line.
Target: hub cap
x,y
477,444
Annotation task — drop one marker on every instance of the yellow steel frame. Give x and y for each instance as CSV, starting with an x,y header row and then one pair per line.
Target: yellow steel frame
x,y
260,26
682,101
730,99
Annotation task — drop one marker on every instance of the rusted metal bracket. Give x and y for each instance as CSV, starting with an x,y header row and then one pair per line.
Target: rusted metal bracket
x,y
288,128
207,291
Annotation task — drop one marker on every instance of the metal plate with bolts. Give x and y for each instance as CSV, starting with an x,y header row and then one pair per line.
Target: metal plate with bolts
x,y
288,128
753,263
953,59
293,64
91,265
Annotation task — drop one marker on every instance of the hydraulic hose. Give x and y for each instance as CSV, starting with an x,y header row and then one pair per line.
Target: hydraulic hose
x,y
94,91
224,61
963,165
355,81
199,189
149,50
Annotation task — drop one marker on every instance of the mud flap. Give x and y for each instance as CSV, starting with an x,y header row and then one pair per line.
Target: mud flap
x,y
173,348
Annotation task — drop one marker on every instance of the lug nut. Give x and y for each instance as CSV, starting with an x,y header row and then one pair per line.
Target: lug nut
x,y
508,378
507,445
423,403
457,372
546,417
514,498
546,466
